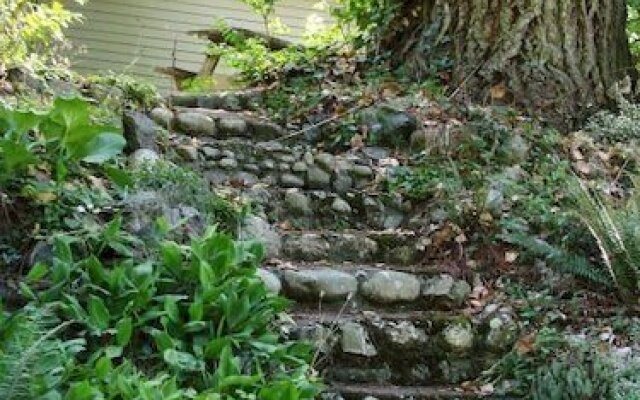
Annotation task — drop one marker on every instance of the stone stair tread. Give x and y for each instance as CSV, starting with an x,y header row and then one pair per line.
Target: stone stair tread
x,y
357,232
332,313
388,392
353,267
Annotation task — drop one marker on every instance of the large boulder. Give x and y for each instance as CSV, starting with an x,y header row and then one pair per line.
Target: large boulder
x,y
140,131
387,125
259,229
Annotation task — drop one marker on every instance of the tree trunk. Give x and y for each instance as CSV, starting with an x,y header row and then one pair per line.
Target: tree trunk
x,y
561,59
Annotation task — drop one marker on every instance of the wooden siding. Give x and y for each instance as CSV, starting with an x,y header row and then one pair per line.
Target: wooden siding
x,y
135,37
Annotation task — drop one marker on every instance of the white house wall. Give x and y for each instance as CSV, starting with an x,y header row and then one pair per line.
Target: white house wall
x,y
135,37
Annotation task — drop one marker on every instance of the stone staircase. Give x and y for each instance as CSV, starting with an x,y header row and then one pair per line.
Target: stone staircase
x,y
386,325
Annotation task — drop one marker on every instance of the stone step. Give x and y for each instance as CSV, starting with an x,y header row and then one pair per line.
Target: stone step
x,y
397,348
398,247
392,392
232,101
317,209
368,286
276,165
217,124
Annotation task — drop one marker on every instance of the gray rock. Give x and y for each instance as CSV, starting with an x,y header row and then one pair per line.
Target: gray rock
x,y
270,147
266,130
142,157
341,206
247,179
405,334
376,153
233,126
187,152
162,116
184,100
342,183
445,291
355,248
228,163
270,280
216,177
140,131
318,178
518,149
286,158
325,284
402,255
284,167
211,153
323,339
269,165
231,102
393,219
297,203
502,332
355,340
228,154
388,126
362,171
326,161
253,168
291,181
306,247
299,167
458,336
391,287
259,229
42,252
196,124
213,101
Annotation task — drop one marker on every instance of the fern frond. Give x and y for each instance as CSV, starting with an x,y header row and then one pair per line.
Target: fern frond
x,y
561,259
30,350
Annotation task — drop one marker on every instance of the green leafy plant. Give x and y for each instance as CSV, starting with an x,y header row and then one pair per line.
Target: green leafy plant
x,y
197,312
59,137
128,91
32,31
33,358
178,185
264,8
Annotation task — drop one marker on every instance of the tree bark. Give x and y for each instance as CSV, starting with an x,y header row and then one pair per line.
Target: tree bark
x,y
558,58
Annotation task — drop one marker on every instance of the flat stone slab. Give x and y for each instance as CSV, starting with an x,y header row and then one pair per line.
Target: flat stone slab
x,y
391,287
325,284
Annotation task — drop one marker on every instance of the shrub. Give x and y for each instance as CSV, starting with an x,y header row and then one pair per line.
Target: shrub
x,y
612,127
57,139
551,366
32,31
616,237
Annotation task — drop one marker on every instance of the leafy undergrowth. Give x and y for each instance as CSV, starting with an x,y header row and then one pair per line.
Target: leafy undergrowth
x,y
93,311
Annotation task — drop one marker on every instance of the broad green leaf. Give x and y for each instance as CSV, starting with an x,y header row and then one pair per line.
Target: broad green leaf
x,y
237,381
118,176
15,156
98,313
113,351
103,148
196,310
171,256
182,360
103,367
124,330
38,272
83,391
